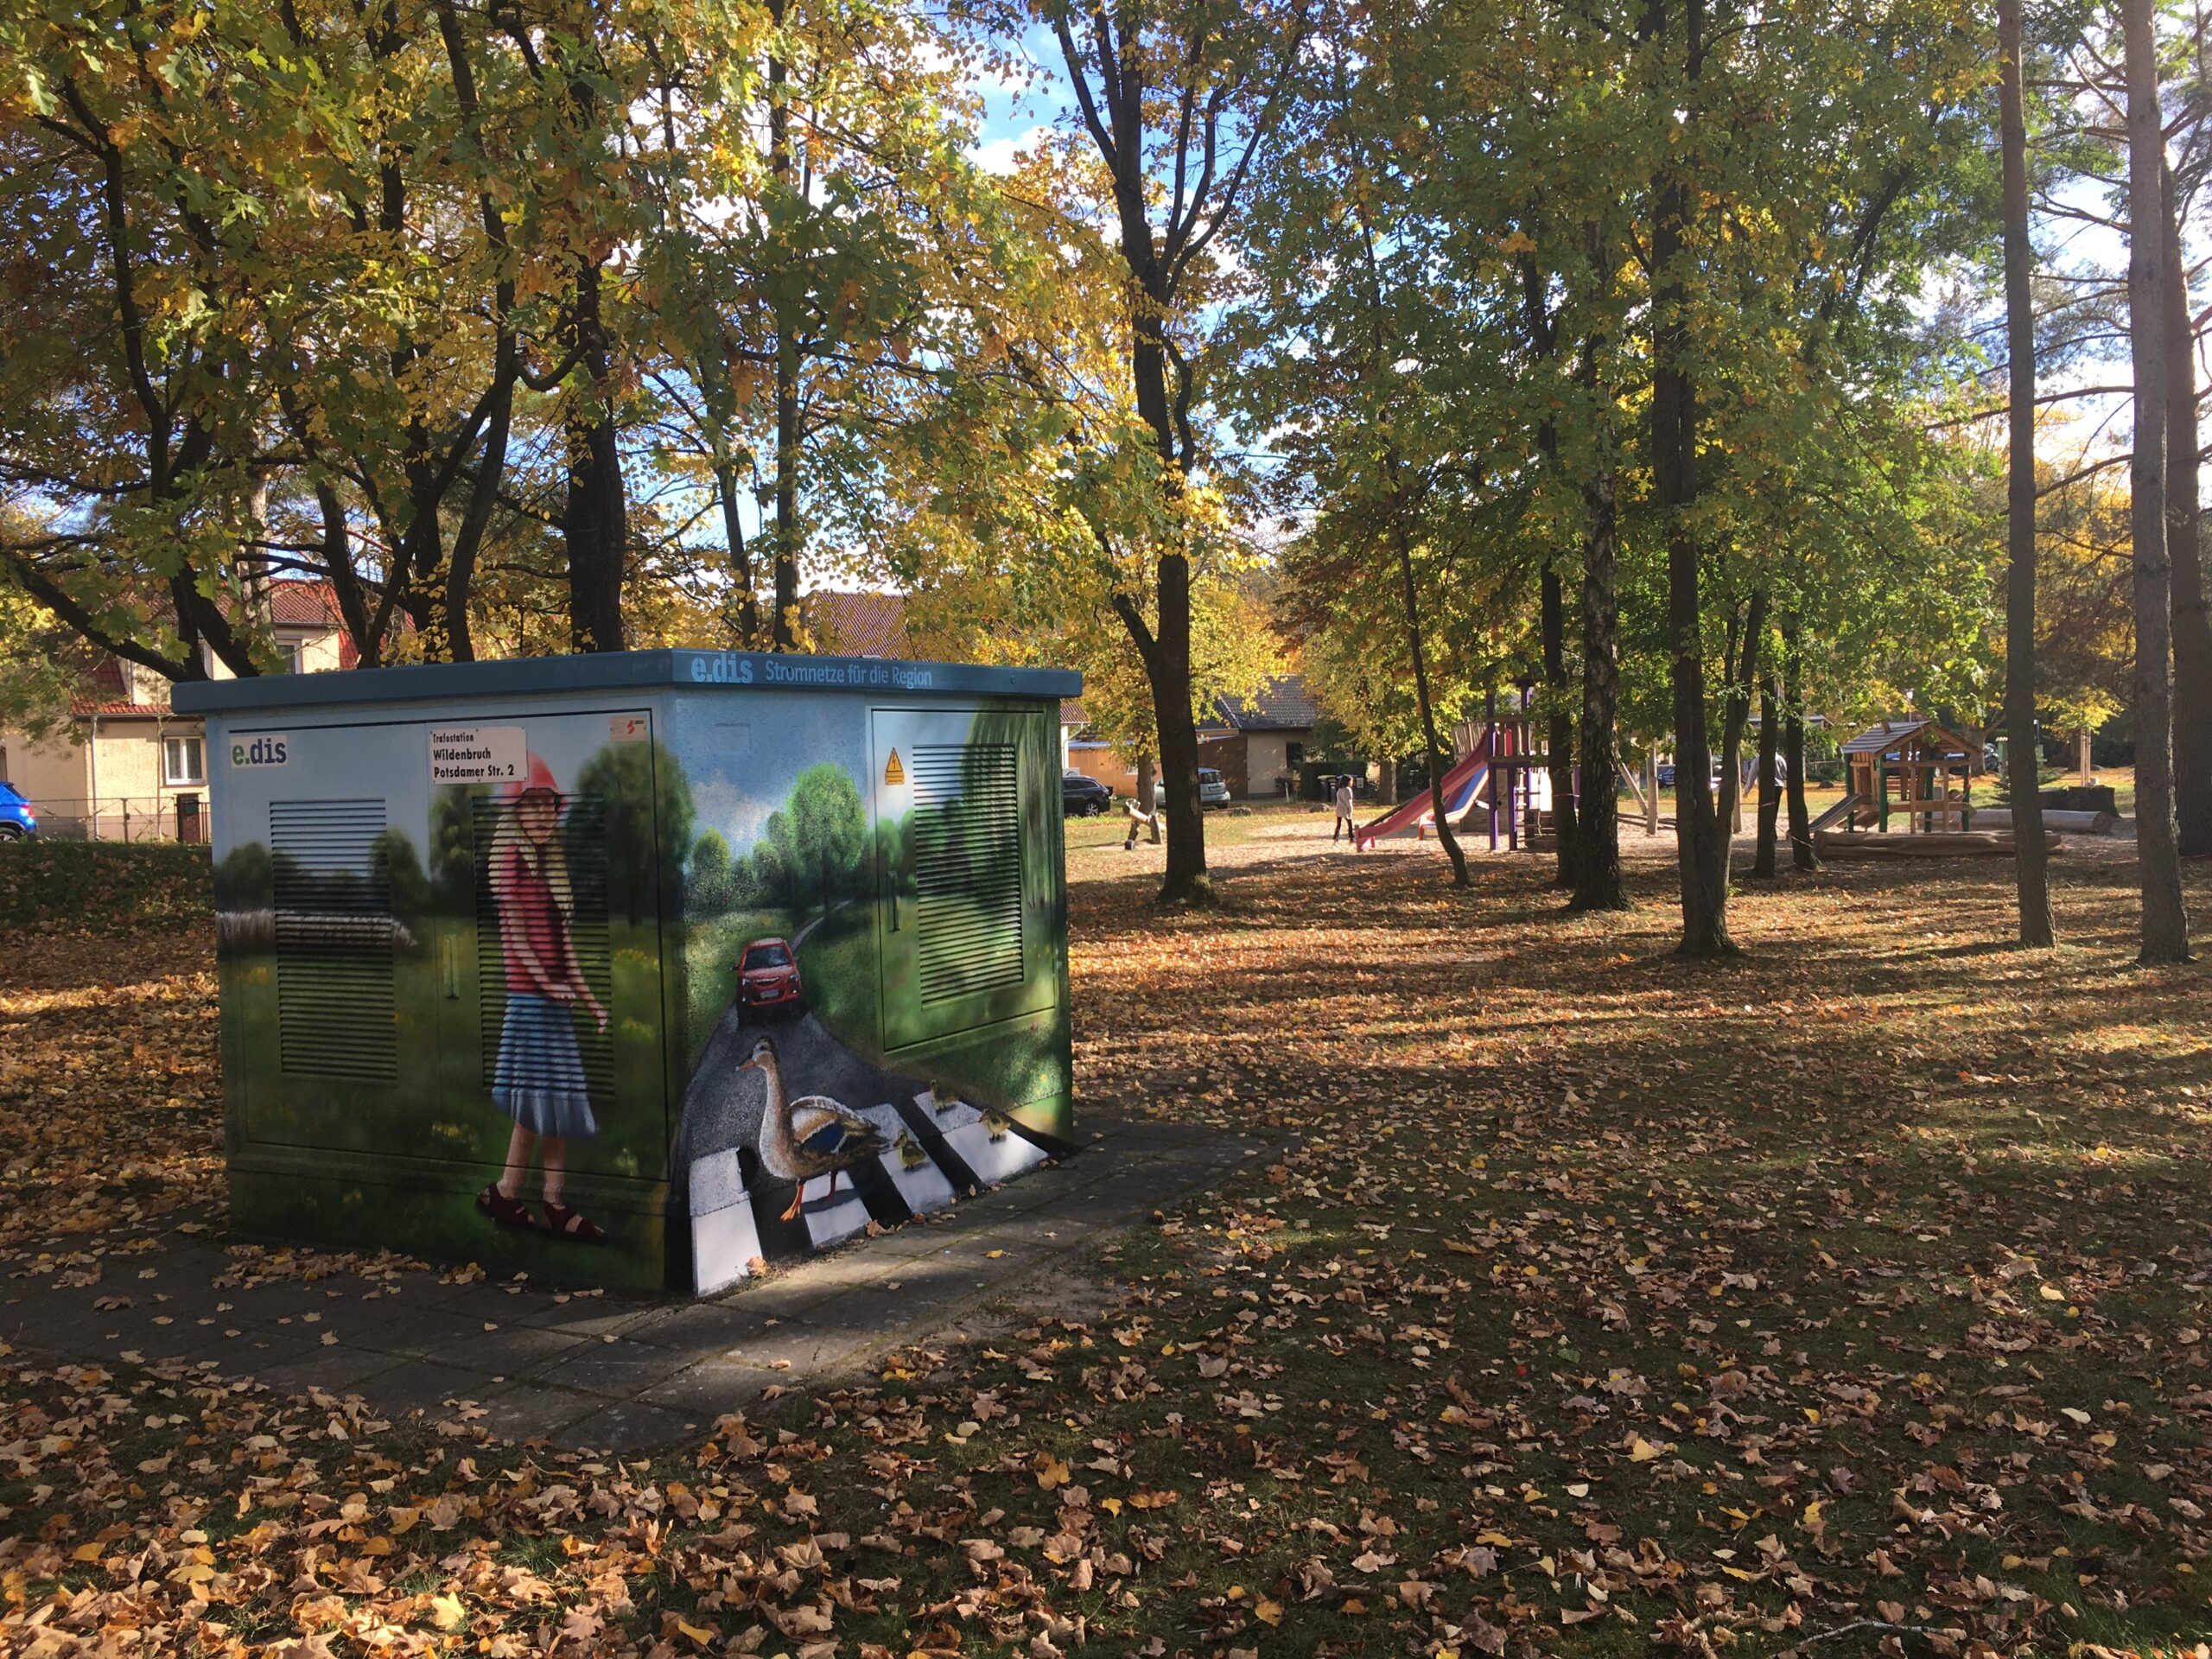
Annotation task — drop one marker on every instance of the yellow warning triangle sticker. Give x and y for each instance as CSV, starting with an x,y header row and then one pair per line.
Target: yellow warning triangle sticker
x,y
892,771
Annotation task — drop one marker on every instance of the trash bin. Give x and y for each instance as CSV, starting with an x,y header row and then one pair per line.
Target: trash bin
x,y
187,818
749,951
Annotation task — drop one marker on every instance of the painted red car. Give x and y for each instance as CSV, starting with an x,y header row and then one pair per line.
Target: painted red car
x,y
767,975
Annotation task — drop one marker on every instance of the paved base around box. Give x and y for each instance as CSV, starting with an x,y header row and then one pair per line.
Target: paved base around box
x,y
615,1374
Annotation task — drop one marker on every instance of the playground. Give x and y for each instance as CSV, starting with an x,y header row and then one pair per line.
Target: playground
x,y
1580,1303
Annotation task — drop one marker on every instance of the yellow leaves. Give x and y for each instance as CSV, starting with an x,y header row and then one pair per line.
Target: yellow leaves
x,y
1050,1472
1642,1451
445,1611
1267,1612
2051,1294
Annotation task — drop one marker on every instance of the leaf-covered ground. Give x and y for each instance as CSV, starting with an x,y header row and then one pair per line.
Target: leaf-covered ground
x,y
1852,1294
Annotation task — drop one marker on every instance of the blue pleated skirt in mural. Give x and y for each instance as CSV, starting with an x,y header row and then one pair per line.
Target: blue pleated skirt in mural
x,y
540,1079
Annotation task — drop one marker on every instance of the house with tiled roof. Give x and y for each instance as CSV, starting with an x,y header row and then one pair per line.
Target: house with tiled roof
x,y
1259,743
127,767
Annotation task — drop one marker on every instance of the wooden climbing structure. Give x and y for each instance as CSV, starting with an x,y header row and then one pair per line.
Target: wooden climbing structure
x,y
1916,768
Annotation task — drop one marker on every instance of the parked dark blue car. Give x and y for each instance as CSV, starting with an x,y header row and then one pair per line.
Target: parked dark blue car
x,y
17,821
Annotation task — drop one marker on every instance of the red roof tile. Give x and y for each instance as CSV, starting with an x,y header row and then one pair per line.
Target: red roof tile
x,y
303,604
144,710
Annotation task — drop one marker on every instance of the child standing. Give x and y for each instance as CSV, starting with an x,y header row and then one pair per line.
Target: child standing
x,y
539,1081
1342,826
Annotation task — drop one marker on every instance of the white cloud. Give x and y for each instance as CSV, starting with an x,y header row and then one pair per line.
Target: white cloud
x,y
996,154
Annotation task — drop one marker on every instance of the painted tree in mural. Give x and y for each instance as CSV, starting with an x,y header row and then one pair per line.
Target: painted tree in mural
x,y
824,833
645,806
710,882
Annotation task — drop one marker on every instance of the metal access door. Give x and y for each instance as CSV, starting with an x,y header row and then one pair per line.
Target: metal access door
x,y
363,952
964,905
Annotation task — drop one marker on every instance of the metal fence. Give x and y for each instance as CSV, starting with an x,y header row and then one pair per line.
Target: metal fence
x,y
180,817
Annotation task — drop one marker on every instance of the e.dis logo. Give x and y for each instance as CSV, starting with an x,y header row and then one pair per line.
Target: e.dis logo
x,y
270,749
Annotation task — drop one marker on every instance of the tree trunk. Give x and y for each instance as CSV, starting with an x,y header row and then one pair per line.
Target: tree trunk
x,y
790,534
2033,878
1559,739
1762,861
1386,781
1701,853
1444,835
1559,742
1187,881
2192,622
782,615
594,520
1802,853
2165,925
484,496
1148,783
506,366
1598,885
1736,713
744,613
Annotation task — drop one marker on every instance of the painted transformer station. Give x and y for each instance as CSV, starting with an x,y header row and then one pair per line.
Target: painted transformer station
x,y
641,968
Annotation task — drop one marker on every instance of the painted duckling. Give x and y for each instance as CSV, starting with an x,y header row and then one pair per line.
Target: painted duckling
x,y
809,1137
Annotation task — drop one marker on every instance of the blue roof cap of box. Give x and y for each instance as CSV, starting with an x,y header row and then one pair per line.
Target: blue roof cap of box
x,y
631,671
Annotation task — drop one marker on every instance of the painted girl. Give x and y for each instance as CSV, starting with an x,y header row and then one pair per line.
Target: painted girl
x,y
539,1081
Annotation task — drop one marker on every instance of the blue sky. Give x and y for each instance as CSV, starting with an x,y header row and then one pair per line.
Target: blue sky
x,y
1013,112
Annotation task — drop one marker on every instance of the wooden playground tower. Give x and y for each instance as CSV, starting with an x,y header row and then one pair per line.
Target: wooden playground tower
x,y
1931,767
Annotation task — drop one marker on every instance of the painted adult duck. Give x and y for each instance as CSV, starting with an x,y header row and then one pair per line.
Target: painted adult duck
x,y
809,1137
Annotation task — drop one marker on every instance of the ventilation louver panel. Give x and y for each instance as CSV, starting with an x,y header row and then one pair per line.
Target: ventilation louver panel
x,y
582,836
335,939
967,868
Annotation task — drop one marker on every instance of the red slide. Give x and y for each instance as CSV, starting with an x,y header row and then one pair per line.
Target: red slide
x,y
1461,783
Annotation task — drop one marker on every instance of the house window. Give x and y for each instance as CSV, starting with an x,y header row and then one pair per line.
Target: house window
x,y
182,761
1293,755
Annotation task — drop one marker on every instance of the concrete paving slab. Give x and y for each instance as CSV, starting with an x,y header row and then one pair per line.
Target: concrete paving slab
x,y
424,1333
528,1411
593,1316
795,1351
702,1326
618,1370
787,1295
867,1312
703,1392
426,1386
339,1370
627,1425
